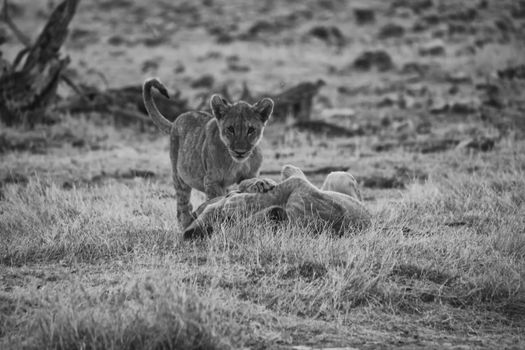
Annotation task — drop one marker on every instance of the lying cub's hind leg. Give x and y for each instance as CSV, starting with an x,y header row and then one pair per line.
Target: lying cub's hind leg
x,y
290,170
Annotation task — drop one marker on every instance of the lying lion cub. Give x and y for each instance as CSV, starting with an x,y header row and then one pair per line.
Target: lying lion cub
x,y
337,203
210,153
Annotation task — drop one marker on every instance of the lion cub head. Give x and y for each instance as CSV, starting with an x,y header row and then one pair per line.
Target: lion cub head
x,y
240,124
342,182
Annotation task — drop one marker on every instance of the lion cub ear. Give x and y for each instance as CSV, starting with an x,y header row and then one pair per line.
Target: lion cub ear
x,y
219,106
264,107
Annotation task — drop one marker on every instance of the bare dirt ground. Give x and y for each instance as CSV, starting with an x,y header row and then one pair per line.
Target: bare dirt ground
x,y
90,253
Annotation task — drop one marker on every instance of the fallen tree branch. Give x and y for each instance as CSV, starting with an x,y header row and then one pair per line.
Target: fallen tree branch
x,y
27,92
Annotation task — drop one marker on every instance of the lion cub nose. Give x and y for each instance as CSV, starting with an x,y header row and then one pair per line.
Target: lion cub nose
x,y
240,153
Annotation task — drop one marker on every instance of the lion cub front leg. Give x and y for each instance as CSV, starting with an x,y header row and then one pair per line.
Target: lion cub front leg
x,y
213,187
184,208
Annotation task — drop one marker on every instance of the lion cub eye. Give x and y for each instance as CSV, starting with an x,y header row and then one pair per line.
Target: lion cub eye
x,y
231,130
251,130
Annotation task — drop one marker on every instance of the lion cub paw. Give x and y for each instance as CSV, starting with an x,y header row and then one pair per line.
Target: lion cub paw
x,y
256,185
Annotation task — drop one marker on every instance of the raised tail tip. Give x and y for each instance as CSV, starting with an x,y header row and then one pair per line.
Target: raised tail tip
x,y
156,83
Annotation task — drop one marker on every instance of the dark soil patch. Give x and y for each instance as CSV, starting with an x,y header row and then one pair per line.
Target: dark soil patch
x,y
416,6
364,16
321,127
516,72
417,272
391,30
368,60
399,178
205,81
329,34
432,50
14,178
307,270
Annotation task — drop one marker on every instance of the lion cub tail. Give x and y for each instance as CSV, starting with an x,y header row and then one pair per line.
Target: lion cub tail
x,y
157,117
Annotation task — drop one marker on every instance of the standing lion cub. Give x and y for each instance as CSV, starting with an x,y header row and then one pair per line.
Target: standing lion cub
x,y
211,152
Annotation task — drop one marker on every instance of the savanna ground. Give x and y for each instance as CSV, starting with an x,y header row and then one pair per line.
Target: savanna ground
x,y
90,253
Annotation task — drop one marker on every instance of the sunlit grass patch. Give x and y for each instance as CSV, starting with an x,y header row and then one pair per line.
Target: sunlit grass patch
x,y
146,313
448,254
421,250
43,222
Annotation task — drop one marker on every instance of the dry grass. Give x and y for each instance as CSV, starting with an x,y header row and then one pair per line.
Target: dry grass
x,y
448,255
90,256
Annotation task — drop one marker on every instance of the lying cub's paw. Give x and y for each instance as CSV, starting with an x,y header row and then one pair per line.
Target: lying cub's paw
x,y
256,185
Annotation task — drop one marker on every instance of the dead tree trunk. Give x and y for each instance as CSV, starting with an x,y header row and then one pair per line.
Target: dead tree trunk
x,y
26,92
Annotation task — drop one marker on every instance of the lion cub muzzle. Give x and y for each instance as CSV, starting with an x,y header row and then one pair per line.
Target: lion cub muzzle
x,y
240,156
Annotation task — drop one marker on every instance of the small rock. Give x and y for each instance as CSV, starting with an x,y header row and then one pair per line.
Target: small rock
x,y
433,49
68,185
467,50
459,78
224,38
398,100
415,68
460,28
379,59
116,40
438,106
432,19
505,25
364,15
179,68
78,143
259,27
81,34
391,30
222,34
464,107
425,22
149,65
132,173
517,72
381,181
468,106
416,6
154,40
483,144
467,15
453,90
235,67
518,10
329,34
403,126
205,81
233,59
